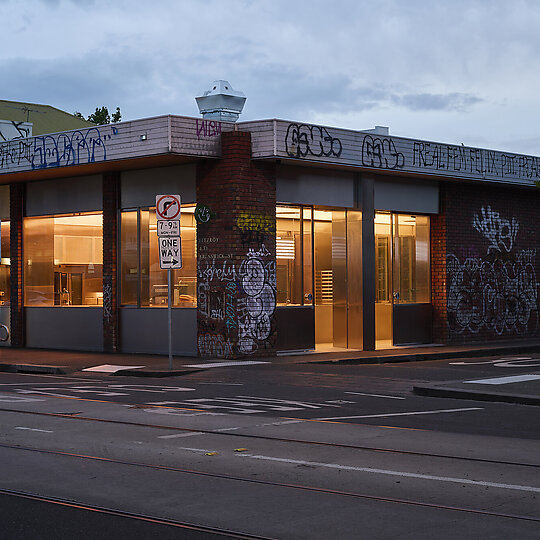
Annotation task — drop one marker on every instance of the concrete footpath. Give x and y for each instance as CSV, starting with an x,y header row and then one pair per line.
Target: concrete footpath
x,y
524,388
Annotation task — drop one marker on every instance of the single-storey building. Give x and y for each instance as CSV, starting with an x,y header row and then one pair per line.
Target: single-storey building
x,y
294,236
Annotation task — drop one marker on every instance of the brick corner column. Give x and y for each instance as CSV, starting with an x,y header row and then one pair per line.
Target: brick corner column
x,y
236,253
111,204
16,306
438,275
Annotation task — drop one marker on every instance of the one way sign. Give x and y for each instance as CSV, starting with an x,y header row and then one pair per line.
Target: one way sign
x,y
170,252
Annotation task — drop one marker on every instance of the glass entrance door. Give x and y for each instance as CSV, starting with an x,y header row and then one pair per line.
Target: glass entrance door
x,y
337,278
402,269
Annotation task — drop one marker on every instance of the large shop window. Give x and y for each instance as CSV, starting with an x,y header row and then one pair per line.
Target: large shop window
x,y
4,262
294,255
142,282
63,260
402,258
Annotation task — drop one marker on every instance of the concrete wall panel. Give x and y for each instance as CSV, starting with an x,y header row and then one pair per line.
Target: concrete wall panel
x,y
64,196
140,187
144,330
65,328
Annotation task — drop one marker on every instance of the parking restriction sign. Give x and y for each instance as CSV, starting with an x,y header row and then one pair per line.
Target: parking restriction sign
x,y
168,207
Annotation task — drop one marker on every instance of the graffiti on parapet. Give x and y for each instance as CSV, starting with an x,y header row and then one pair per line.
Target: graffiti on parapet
x,y
207,128
381,153
427,155
500,232
13,130
255,310
498,292
302,140
57,150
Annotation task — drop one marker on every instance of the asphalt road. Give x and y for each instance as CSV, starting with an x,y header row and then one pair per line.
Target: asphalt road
x,y
366,394
278,451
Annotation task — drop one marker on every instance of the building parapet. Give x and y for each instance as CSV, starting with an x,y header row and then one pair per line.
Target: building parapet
x,y
271,139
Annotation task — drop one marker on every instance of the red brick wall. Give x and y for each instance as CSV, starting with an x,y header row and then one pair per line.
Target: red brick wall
x,y
236,253
438,274
111,198
16,209
492,264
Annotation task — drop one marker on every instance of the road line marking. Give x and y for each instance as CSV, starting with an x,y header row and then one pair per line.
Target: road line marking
x,y
35,383
395,473
177,435
110,368
374,395
402,413
17,399
194,449
227,429
223,383
505,380
34,429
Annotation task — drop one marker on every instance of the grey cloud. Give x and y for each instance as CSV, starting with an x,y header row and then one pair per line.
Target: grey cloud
x,y
79,83
283,91
454,101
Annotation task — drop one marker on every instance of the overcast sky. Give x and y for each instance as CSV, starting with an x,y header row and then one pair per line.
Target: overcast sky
x,y
443,70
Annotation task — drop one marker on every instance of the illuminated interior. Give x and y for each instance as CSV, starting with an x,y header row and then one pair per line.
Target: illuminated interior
x,y
402,267
63,260
142,282
5,262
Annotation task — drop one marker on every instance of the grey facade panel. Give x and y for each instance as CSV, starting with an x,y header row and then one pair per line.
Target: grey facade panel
x,y
64,196
407,196
5,319
4,202
144,330
298,185
65,328
140,187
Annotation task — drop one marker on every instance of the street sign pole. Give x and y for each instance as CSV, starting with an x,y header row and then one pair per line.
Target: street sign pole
x,y
169,315
168,211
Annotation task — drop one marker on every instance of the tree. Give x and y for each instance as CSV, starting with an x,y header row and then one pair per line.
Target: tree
x,y
101,116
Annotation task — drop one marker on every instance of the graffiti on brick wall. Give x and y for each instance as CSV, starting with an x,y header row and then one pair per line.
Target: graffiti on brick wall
x,y
258,280
214,345
57,150
255,227
381,153
497,292
500,232
216,304
231,293
302,140
107,300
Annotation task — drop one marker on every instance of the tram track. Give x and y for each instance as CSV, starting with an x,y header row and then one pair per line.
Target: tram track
x,y
132,515
393,451
269,483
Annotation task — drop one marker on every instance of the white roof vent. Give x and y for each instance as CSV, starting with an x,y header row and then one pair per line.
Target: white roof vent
x,y
221,102
378,130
